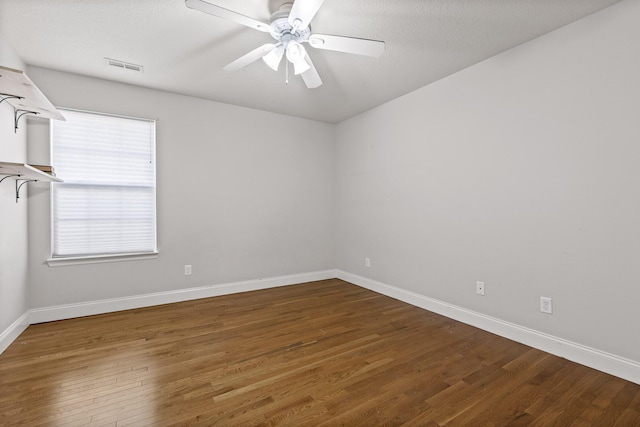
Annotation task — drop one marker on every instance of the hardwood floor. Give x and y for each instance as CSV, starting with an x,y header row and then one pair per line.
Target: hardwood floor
x,y
322,354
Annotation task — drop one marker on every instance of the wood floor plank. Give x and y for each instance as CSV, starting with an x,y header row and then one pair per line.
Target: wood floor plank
x,y
321,353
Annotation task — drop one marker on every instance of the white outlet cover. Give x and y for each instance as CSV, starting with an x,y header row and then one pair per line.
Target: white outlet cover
x,y
546,305
480,288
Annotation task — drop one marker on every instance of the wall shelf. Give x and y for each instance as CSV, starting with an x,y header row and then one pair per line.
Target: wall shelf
x,y
23,173
17,89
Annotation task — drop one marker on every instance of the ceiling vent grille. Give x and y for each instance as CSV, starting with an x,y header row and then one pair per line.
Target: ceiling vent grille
x,y
123,65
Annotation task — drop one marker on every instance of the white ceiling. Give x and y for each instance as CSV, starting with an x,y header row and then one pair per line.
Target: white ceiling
x,y
183,50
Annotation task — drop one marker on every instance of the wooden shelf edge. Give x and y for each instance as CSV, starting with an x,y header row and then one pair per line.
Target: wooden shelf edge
x,y
17,83
23,171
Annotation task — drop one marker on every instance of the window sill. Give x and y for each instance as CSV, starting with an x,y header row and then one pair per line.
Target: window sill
x,y
99,259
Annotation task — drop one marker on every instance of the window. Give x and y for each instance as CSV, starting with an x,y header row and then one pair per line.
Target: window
x,y
107,203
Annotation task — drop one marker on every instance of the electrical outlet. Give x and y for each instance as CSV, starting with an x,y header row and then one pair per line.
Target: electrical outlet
x,y
367,262
480,288
545,305
187,270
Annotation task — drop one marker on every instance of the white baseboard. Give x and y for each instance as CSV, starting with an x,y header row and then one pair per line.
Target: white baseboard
x,y
68,311
591,357
10,334
594,358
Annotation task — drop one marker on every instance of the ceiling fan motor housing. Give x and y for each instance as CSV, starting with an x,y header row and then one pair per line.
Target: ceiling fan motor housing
x,y
283,31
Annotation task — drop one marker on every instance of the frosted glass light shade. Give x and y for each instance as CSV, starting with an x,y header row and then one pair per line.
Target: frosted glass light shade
x,y
273,58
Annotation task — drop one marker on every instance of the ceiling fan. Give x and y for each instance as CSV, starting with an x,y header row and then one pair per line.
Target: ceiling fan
x,y
289,27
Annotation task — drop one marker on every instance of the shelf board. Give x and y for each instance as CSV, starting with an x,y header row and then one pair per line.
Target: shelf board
x,y
17,83
25,172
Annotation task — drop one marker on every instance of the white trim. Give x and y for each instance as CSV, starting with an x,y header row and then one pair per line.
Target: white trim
x,y
10,334
98,113
68,311
99,259
594,358
591,357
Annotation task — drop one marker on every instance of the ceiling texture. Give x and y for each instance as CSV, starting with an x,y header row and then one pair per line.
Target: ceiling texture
x,y
183,50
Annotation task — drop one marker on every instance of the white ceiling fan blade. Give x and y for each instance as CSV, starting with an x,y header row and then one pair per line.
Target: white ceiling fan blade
x,y
311,77
303,12
250,57
354,45
221,12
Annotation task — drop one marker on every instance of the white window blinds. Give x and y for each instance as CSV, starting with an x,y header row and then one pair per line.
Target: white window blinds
x,y
107,203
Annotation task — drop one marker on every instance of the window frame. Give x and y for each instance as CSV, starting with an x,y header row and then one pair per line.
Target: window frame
x,y
55,261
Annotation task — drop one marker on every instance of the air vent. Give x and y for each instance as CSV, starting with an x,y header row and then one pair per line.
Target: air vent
x,y
123,65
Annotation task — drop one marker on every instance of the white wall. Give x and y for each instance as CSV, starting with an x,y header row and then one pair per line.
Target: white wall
x,y
520,171
13,217
240,197
523,172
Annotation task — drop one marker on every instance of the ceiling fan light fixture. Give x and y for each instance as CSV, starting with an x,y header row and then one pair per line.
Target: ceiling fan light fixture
x,y
273,58
295,52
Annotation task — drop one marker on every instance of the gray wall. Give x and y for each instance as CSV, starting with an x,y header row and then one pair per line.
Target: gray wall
x,y
239,195
13,216
523,172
